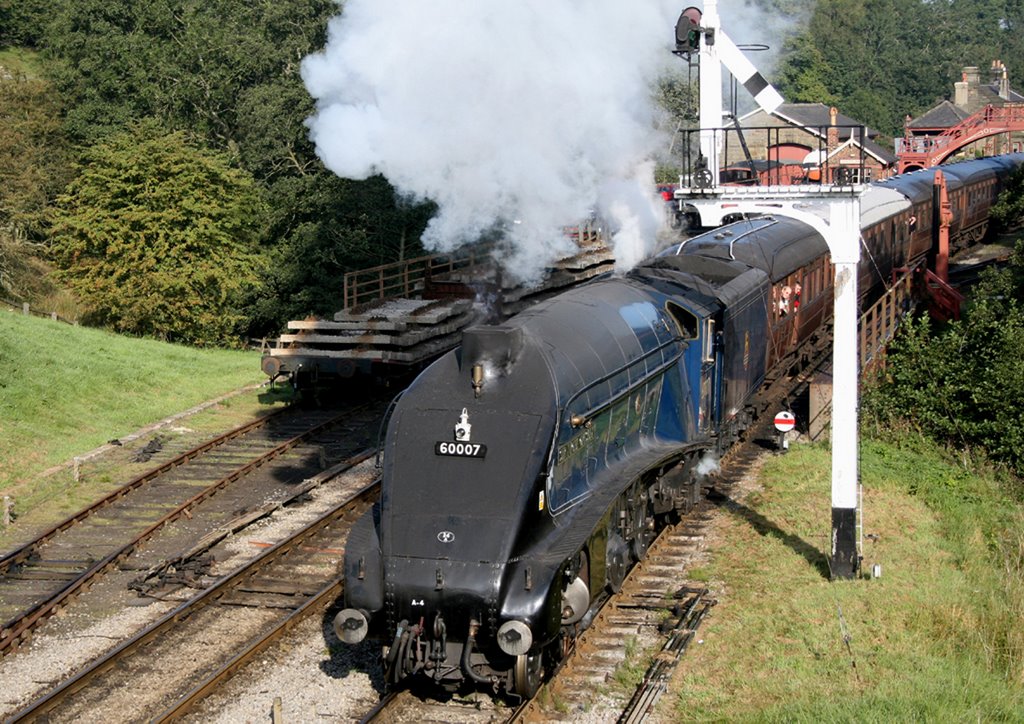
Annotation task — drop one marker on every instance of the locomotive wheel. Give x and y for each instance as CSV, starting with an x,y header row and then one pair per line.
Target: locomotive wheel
x,y
616,562
644,533
527,674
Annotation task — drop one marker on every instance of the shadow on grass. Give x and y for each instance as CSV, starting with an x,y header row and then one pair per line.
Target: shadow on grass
x,y
719,496
765,527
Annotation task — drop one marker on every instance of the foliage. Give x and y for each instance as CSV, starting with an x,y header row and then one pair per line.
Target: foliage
x,y
1008,211
33,167
187,62
677,95
228,71
327,226
22,21
805,75
159,237
964,384
877,63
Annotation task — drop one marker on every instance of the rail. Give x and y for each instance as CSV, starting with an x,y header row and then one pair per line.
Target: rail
x,y
287,554
21,627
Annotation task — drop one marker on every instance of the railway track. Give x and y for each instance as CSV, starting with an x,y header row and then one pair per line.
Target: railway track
x,y
163,671
658,609
163,512
965,276
101,689
406,707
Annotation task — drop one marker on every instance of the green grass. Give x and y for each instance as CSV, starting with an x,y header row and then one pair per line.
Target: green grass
x,y
66,390
936,638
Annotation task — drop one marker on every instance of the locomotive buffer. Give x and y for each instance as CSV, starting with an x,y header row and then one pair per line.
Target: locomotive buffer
x,y
830,209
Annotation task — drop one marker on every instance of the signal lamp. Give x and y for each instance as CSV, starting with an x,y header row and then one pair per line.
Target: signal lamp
x,y
688,30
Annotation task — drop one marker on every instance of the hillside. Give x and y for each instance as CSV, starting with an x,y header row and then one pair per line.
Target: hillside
x,y
66,390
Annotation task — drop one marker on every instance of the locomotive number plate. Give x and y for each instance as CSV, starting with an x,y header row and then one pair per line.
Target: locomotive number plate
x,y
460,449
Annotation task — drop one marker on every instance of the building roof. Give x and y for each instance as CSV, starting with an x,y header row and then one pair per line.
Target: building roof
x,y
816,118
944,115
970,95
812,116
989,94
882,154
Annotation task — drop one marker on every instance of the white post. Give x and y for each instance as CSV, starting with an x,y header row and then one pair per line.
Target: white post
x,y
845,249
710,90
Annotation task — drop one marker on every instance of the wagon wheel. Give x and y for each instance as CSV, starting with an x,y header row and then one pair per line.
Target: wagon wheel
x,y
527,675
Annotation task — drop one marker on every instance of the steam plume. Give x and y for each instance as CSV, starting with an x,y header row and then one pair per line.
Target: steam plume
x,y
534,111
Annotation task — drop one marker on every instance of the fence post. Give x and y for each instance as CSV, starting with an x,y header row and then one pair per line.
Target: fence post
x,y
8,504
24,308
77,473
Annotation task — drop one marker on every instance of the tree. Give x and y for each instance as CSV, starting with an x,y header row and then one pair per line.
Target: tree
x,y
34,166
191,63
805,73
326,226
1008,211
159,237
22,21
228,72
33,159
881,60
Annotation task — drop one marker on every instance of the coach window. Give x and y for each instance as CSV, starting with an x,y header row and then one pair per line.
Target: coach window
x,y
782,296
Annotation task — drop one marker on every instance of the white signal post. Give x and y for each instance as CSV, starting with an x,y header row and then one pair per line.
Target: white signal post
x,y
717,49
834,212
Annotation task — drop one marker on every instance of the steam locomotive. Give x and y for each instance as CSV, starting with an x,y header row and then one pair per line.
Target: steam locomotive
x,y
526,471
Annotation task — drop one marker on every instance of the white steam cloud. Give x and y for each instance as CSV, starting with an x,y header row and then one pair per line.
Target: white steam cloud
x,y
533,111
533,114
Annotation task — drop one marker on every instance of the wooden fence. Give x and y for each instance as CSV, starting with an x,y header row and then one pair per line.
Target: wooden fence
x,y
28,311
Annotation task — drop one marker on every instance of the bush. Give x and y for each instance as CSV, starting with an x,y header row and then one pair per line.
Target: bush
x,y
963,384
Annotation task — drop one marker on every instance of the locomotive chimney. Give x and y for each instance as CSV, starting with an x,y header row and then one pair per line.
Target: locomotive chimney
x,y
490,347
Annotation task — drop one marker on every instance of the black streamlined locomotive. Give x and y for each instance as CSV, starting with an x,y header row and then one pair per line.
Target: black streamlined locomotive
x,y
525,472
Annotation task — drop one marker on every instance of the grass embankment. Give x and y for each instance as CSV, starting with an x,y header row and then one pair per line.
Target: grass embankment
x,y
66,390
938,637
